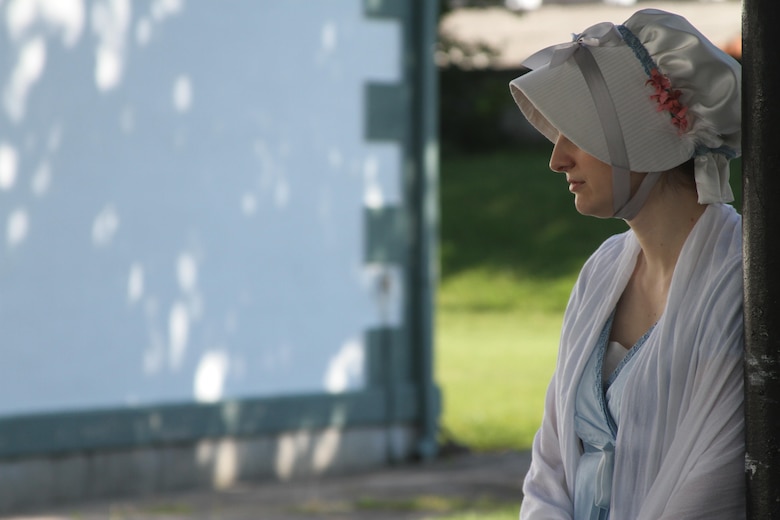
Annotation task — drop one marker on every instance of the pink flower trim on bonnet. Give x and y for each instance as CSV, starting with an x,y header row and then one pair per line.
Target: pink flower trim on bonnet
x,y
706,109
668,99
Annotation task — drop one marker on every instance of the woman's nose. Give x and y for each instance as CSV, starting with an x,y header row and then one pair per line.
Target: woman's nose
x,y
561,159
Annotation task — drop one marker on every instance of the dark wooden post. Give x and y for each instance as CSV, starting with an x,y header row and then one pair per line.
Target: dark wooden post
x,y
761,212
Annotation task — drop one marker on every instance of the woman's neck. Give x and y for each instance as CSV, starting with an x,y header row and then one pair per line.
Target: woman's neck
x,y
662,227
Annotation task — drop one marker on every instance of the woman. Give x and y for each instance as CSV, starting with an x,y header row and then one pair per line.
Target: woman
x,y
643,417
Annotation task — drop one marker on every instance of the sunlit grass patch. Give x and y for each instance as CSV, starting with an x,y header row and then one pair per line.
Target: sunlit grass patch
x,y
494,369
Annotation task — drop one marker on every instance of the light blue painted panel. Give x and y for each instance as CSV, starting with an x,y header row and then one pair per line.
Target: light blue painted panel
x,y
182,191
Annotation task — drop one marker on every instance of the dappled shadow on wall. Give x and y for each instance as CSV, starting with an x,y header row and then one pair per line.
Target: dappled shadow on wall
x,y
171,202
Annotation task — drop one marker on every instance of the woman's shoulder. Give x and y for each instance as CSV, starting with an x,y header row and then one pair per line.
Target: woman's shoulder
x,y
710,267
725,218
613,256
718,241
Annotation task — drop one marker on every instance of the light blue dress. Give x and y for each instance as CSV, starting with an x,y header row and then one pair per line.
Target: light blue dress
x,y
596,422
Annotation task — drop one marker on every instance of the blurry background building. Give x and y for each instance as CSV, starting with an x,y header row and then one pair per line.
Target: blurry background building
x,y
217,230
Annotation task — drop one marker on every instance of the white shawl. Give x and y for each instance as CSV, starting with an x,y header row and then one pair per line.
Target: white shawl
x,y
680,446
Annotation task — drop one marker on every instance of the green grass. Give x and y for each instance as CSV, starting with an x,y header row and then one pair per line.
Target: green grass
x,y
493,368
506,213
511,247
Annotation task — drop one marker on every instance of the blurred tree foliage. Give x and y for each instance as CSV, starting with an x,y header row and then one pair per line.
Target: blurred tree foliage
x,y
477,113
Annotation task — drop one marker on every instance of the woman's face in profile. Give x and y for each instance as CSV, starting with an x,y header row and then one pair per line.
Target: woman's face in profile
x,y
590,180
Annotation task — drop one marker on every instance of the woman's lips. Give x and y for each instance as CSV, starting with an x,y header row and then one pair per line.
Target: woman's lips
x,y
575,185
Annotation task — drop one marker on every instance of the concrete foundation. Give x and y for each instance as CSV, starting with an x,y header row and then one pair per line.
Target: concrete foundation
x,y
30,483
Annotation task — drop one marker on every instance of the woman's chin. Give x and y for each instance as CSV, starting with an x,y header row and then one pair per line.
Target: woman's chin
x,y
590,210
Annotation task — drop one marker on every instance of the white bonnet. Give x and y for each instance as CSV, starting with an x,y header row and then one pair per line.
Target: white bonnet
x,y
672,95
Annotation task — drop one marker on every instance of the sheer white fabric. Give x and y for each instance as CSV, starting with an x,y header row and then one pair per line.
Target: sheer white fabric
x,y
680,445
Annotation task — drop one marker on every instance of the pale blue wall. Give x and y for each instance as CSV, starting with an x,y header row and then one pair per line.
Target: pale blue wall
x,y
182,191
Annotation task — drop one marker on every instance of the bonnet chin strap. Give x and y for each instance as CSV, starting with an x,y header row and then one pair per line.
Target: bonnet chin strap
x,y
631,205
601,35
623,205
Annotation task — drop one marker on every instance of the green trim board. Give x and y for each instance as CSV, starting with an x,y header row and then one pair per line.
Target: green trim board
x,y
388,362
407,113
424,198
387,9
59,433
387,112
384,235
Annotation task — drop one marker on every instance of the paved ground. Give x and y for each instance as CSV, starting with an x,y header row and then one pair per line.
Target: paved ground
x,y
405,492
